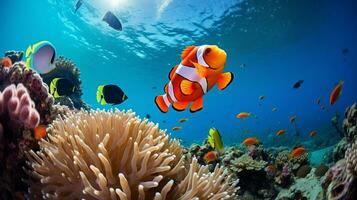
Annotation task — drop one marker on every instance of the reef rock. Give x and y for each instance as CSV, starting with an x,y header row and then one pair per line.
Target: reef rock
x,y
66,68
350,123
15,56
341,181
303,188
25,104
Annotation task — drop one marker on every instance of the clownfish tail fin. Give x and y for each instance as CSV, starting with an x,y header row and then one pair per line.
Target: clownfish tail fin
x,y
162,103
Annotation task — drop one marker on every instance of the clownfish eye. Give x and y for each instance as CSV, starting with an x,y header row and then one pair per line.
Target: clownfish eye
x,y
208,50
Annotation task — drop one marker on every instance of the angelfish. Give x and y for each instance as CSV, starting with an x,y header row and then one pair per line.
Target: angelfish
x,y
41,56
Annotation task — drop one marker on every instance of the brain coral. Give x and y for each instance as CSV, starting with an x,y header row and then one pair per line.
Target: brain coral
x,y
116,155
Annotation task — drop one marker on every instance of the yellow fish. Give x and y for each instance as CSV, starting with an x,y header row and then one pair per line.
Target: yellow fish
x,y
215,139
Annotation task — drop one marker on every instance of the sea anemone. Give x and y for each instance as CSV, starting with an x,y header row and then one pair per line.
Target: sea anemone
x,y
116,155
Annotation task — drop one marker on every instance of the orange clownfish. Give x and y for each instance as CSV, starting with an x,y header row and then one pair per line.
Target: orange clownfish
x,y
281,132
250,141
210,156
297,152
336,92
200,69
6,62
40,132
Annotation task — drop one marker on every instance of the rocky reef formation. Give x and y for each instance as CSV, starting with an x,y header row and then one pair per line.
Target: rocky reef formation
x,y
15,56
38,91
116,155
25,103
350,123
304,188
341,179
66,68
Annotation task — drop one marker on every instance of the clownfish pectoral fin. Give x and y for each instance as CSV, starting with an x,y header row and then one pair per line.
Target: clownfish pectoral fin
x,y
162,104
172,72
197,105
187,87
186,51
166,88
201,70
180,106
224,80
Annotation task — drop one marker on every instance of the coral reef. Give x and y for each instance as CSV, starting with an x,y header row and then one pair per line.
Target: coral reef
x,y
303,188
295,163
339,150
341,180
17,109
303,171
37,90
321,170
350,123
15,56
66,68
25,104
246,162
17,113
351,159
115,155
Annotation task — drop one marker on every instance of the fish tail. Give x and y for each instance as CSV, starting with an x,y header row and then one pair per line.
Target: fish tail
x,y
162,103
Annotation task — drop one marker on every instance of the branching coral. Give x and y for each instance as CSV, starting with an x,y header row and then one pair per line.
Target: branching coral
x,y
115,155
66,68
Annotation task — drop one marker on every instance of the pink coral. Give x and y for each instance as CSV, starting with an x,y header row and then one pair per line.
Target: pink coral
x,y
17,104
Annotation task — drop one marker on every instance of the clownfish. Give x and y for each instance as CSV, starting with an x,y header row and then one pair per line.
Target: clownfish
x,y
200,69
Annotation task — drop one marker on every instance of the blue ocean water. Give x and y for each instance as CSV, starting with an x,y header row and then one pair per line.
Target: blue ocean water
x,y
278,41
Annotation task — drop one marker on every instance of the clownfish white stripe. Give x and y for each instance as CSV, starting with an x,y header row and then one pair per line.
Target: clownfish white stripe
x,y
199,55
190,74
171,92
166,100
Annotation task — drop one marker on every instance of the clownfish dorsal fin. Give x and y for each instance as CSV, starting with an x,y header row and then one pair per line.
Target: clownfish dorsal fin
x,y
186,51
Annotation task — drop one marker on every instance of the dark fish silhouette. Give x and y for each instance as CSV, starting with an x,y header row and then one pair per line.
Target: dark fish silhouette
x,y
147,116
112,21
110,94
61,87
78,5
298,84
345,51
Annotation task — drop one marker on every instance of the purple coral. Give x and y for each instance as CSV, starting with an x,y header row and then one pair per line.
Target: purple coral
x,y
17,104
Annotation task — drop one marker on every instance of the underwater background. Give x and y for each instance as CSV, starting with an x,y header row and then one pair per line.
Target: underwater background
x,y
78,125
270,45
